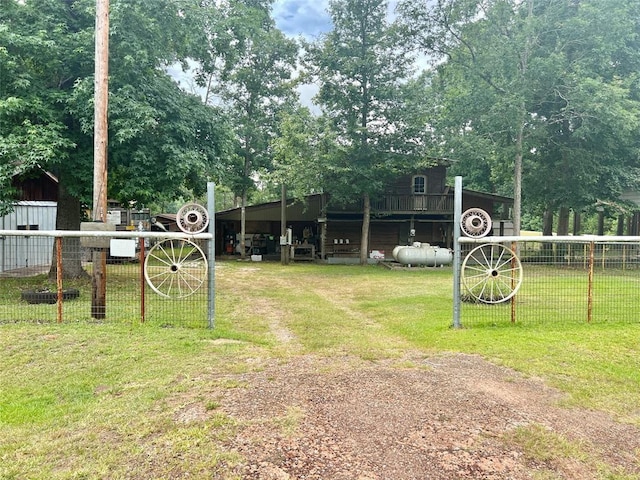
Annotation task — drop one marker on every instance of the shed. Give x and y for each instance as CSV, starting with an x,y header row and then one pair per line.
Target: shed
x,y
25,252
35,209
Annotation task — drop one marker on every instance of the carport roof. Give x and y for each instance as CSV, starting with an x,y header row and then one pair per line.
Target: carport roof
x,y
307,210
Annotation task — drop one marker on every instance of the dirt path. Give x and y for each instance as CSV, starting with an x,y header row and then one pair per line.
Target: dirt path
x,y
444,417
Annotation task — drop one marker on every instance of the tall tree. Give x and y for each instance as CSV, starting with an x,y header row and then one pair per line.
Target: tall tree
x,y
512,78
361,67
253,88
163,142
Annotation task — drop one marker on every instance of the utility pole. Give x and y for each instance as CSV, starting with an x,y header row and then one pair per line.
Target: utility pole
x,y
100,138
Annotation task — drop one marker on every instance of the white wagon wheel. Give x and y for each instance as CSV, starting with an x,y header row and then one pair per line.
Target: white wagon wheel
x,y
475,222
492,273
192,218
175,268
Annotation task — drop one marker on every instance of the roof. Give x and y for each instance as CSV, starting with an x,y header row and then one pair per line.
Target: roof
x,y
489,196
35,203
306,210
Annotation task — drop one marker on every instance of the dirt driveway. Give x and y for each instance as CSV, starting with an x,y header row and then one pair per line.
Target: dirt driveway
x,y
420,417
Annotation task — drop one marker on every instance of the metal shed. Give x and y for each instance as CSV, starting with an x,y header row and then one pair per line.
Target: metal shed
x,y
17,252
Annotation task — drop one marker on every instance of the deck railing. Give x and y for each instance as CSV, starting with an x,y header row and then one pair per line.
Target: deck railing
x,y
434,203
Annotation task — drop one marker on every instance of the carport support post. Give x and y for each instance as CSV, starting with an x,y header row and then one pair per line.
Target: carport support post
x,y
457,216
284,249
211,297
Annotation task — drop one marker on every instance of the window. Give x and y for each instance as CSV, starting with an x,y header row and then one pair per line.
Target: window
x,y
28,227
419,185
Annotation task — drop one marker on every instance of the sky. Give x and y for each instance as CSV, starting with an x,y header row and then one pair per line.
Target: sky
x,y
308,18
295,18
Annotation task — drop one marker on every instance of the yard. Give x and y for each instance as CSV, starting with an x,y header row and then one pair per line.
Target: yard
x,y
320,372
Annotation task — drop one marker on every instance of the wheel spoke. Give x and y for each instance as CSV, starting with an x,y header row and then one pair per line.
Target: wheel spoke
x,y
175,268
491,273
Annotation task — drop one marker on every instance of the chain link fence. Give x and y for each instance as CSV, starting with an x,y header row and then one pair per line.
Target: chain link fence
x,y
160,278
588,280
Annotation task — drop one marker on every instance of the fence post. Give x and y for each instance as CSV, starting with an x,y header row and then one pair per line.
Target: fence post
x,y
457,216
59,276
211,298
590,286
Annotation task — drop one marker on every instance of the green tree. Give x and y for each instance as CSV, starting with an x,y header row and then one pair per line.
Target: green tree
x,y
362,68
163,142
514,89
253,88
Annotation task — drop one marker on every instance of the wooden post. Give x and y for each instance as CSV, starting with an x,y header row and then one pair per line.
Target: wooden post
x,y
100,137
59,276
284,249
142,279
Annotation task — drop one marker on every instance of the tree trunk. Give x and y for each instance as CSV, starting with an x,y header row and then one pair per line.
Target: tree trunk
x,y
547,230
563,221
562,249
577,223
620,226
364,239
68,216
601,223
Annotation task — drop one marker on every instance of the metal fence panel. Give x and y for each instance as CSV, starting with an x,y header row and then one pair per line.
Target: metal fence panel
x,y
29,291
579,281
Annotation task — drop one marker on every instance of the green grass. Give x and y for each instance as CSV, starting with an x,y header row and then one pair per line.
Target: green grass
x,y
87,399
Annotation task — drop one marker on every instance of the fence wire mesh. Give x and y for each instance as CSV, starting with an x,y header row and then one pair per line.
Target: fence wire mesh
x,y
596,282
173,292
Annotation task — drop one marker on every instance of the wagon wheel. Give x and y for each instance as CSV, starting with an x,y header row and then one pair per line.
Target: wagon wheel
x,y
192,218
492,273
175,268
475,222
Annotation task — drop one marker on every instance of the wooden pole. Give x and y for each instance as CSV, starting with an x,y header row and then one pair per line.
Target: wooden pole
x,y
284,249
142,279
59,276
99,293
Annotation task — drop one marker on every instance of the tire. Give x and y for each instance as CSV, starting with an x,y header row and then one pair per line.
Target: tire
x,y
47,296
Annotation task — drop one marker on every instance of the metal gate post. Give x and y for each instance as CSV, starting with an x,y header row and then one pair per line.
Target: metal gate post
x,y
211,298
457,216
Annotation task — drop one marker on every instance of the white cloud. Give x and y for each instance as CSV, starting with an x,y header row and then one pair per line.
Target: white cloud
x,y
308,18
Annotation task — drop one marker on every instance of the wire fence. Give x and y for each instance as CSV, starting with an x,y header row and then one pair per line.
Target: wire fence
x,y
149,277
587,280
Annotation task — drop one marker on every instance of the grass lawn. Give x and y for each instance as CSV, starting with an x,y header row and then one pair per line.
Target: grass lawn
x,y
86,399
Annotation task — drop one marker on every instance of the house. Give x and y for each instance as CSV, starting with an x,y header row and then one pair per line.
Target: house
x,y
414,208
34,209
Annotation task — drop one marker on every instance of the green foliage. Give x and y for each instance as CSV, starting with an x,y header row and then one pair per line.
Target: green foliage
x,y
252,78
163,142
541,82
362,67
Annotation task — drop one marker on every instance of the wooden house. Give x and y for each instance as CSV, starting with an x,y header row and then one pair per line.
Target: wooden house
x,y
414,208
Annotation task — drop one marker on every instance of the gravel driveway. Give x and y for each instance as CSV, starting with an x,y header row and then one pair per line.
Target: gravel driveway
x,y
420,417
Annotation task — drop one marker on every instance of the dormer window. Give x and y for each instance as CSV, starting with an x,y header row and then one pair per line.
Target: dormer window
x,y
419,185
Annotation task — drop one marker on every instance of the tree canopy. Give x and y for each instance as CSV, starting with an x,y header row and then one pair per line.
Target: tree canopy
x,y
163,142
536,91
535,98
362,67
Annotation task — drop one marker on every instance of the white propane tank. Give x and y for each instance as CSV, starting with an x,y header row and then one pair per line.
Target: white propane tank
x,y
422,254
